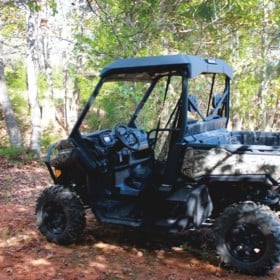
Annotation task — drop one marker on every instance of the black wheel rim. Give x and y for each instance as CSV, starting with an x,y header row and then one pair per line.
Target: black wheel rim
x,y
54,218
246,242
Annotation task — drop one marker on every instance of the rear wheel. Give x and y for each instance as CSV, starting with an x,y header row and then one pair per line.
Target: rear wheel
x,y
60,215
248,238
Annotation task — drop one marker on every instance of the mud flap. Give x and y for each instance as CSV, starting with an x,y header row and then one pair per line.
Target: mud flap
x,y
199,205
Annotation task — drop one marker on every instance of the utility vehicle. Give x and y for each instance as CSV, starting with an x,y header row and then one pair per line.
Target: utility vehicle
x,y
168,163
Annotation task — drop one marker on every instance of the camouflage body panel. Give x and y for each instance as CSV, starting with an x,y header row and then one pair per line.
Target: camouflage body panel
x,y
219,161
62,153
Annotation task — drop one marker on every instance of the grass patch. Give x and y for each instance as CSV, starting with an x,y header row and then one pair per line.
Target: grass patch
x,y
14,154
11,152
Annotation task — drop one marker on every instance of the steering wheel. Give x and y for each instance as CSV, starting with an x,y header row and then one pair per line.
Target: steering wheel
x,y
128,137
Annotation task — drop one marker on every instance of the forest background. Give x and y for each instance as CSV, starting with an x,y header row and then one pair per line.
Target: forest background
x,y
51,52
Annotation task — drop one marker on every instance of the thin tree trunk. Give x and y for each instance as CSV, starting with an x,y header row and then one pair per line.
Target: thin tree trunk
x,y
9,115
265,77
48,112
67,87
35,139
76,93
71,94
236,119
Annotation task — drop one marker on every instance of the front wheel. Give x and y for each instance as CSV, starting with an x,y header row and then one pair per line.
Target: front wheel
x,y
248,238
60,215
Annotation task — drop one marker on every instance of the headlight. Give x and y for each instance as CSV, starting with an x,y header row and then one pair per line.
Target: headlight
x,y
57,172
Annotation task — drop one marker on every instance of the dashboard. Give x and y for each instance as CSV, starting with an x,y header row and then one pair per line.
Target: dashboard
x,y
132,138
104,138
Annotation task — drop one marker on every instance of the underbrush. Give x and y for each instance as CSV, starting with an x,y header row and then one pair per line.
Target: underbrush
x,y
17,155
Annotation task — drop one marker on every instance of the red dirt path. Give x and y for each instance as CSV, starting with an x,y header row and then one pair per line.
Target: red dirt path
x,y
105,252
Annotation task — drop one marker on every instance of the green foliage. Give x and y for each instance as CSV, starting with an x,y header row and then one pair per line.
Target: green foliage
x,y
53,7
57,78
16,83
20,104
242,103
15,75
10,25
34,5
86,87
241,32
42,84
49,138
12,153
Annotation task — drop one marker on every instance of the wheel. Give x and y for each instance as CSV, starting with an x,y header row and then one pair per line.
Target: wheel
x,y
248,238
60,215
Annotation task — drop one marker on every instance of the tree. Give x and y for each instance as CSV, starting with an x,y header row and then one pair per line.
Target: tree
x,y
77,38
32,62
9,115
241,32
12,126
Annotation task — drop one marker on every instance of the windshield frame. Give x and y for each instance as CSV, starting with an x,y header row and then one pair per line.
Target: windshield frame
x,y
183,117
153,81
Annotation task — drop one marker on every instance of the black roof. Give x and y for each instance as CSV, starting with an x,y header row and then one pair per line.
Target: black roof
x,y
164,63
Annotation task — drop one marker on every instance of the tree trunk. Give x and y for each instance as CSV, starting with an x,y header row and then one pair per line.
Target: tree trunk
x,y
48,112
265,75
67,88
9,115
236,119
71,94
35,111
76,92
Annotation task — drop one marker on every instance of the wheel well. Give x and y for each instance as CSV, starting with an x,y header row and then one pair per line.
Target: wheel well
x,y
224,194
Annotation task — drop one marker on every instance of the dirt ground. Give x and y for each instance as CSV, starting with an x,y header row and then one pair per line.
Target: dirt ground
x,y
105,252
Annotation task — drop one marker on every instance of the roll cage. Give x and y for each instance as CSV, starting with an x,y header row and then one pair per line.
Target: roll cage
x,y
152,69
